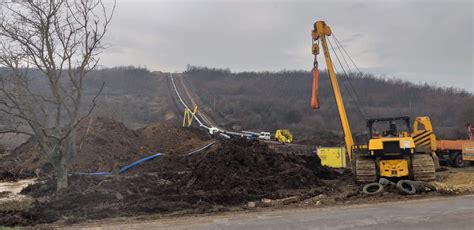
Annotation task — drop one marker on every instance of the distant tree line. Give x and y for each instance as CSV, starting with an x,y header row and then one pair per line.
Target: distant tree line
x,y
272,100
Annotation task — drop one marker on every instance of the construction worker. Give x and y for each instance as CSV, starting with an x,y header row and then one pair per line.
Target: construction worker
x,y
470,132
376,133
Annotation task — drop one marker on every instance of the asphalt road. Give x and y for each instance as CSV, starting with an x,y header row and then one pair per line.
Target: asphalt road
x,y
435,213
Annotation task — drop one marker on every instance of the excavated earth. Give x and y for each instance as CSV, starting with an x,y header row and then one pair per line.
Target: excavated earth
x,y
224,177
229,174
104,145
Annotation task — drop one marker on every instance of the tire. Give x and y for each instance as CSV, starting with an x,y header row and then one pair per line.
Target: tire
x,y
406,187
458,162
372,189
385,182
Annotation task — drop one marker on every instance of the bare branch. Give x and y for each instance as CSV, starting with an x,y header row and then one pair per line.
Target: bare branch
x,y
16,132
49,47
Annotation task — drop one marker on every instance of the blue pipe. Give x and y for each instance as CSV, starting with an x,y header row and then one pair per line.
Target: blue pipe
x,y
93,174
123,169
126,168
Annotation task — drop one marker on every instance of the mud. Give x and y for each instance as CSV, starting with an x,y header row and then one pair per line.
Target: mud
x,y
224,177
234,173
104,145
12,204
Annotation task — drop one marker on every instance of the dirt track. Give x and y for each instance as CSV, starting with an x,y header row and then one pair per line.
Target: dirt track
x,y
191,99
92,199
431,213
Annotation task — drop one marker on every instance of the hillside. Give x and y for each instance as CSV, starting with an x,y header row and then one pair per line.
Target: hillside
x,y
131,95
268,101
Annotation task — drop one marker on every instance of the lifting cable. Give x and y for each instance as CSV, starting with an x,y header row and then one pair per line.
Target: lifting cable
x,y
349,56
341,47
349,89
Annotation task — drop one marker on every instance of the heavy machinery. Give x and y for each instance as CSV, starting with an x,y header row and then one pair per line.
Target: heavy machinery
x,y
265,136
284,136
457,153
281,135
393,154
260,135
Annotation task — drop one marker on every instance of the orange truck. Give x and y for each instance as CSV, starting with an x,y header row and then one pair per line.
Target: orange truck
x,y
456,153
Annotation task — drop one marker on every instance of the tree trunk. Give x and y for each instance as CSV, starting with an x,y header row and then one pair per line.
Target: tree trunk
x,y
61,173
68,150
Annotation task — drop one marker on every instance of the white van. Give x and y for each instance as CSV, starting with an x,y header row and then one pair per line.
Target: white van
x,y
264,136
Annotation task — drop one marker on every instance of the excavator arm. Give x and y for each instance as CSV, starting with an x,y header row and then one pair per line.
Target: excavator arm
x,y
319,34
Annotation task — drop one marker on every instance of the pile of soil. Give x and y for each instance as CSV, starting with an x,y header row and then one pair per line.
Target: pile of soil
x,y
235,172
22,162
104,144
172,140
247,170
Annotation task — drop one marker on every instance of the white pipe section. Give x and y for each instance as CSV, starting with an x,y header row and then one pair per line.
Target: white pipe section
x,y
184,104
221,132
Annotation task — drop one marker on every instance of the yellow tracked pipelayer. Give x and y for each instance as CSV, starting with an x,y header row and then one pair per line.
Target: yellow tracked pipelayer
x,y
391,154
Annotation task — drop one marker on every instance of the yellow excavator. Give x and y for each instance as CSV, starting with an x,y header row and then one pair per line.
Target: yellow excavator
x,y
284,136
391,154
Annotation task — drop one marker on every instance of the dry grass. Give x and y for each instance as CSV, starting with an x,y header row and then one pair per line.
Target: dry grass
x,y
458,181
18,204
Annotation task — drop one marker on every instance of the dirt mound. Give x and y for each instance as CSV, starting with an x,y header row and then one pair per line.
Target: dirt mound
x,y
104,144
22,162
174,140
236,172
246,170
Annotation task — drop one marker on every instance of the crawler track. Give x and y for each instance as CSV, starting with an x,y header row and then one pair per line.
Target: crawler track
x,y
365,169
423,167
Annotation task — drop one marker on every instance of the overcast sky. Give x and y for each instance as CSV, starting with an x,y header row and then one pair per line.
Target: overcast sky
x,y
420,41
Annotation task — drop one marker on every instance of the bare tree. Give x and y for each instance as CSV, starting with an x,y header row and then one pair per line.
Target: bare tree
x,y
47,48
